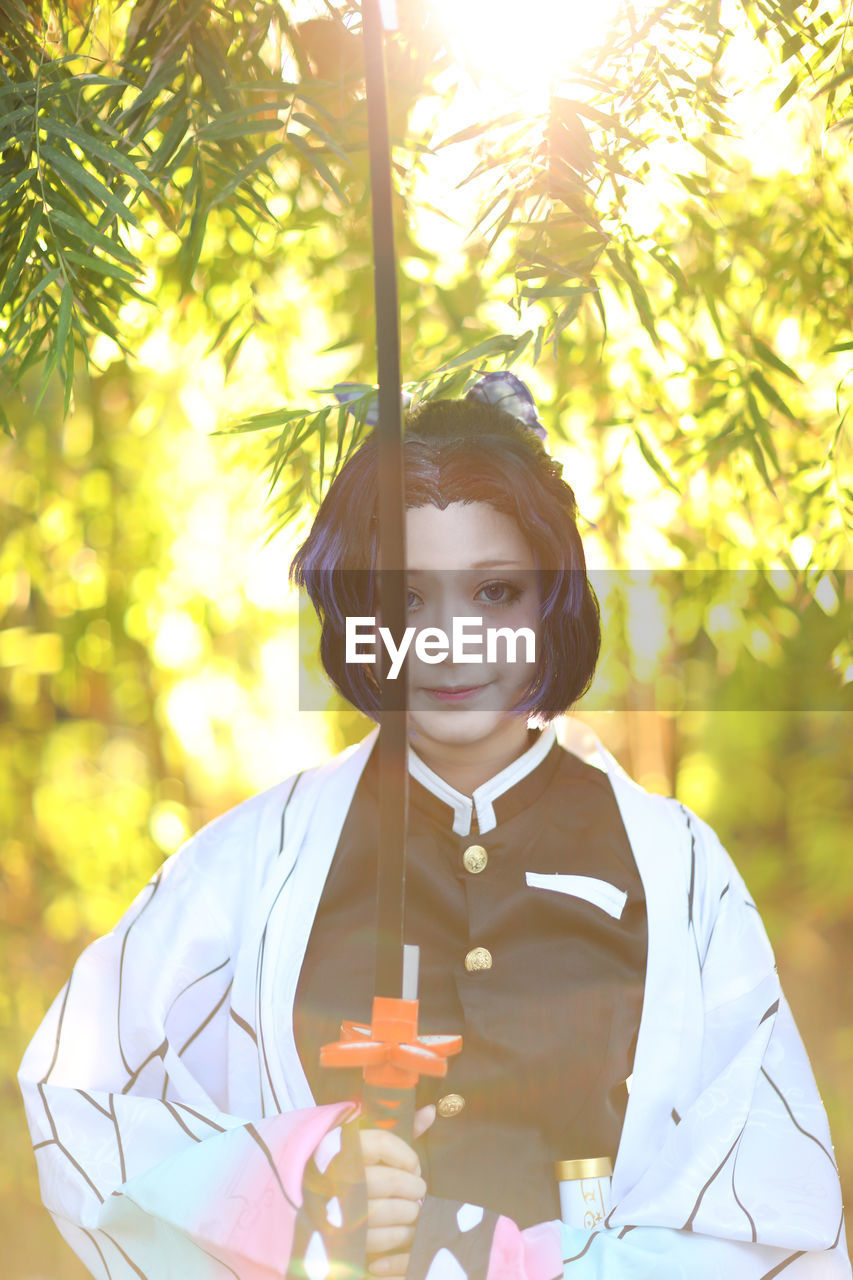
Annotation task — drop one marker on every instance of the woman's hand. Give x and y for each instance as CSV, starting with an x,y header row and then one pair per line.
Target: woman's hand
x,y
395,1190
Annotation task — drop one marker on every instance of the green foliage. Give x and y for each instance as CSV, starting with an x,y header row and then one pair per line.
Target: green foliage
x,y
112,127
184,146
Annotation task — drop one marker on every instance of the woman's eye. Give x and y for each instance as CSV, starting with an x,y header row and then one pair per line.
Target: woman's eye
x,y
414,600
498,593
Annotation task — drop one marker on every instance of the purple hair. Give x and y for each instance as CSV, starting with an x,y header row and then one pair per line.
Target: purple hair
x,y
457,451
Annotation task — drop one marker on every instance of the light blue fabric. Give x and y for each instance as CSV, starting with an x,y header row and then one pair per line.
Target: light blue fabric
x,y
659,1253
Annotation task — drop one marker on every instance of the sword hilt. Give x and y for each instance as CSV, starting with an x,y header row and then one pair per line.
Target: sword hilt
x,y
385,1107
393,1057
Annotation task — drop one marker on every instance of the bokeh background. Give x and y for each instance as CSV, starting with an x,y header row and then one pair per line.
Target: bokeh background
x,y
650,224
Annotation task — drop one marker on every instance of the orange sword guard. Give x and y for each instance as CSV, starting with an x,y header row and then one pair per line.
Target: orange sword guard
x,y
393,1057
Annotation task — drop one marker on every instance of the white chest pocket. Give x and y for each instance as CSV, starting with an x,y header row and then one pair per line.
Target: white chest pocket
x,y
599,892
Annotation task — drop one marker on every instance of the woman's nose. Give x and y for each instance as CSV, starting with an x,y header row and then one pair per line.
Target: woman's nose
x,y
440,609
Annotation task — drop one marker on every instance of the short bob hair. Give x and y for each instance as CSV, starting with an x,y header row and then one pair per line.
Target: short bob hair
x,y
457,451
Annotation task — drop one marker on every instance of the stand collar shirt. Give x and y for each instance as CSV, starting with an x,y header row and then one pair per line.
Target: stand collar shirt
x,y
479,808
527,907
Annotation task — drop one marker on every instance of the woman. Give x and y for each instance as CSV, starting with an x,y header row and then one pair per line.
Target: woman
x,y
593,944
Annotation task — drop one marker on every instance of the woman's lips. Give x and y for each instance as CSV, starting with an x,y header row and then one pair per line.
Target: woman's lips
x,y
454,694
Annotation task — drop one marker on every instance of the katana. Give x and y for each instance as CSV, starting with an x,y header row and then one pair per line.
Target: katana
x,y
390,1050
391,579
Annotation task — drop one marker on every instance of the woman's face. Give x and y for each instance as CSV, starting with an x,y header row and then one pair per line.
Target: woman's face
x,y
469,561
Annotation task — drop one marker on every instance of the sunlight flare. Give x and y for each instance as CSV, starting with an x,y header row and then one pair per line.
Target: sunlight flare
x,y
524,48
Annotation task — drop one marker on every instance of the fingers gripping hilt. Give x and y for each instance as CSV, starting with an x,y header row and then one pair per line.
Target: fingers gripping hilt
x,y
393,1057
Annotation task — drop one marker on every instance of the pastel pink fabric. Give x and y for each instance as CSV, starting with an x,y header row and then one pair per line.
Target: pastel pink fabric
x,y
532,1254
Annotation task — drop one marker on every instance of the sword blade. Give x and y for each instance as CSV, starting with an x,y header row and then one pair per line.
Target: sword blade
x,y
393,736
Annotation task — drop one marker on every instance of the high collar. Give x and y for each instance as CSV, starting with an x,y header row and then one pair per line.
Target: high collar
x,y
482,803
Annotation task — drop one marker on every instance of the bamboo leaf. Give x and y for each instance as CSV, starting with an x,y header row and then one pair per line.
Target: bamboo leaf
x,y
265,421
68,371
35,341
191,249
57,345
28,240
771,394
91,262
89,235
15,88
343,416
158,81
599,303
64,317
499,345
607,121
280,92
322,461
73,84
323,134
318,164
624,268
478,130
788,92
230,356
771,359
9,188
259,162
219,132
11,118
77,175
693,184
290,442
769,356
171,140
653,461
45,283
758,457
762,428
670,266
558,291
711,154
521,345
841,77
505,219
92,145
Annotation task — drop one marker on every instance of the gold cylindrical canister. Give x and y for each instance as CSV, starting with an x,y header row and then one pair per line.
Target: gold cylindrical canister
x,y
584,1185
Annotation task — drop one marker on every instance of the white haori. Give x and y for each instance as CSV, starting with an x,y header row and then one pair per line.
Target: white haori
x,y
164,1090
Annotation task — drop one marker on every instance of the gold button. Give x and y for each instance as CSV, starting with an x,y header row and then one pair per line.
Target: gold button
x,y
474,859
477,959
450,1105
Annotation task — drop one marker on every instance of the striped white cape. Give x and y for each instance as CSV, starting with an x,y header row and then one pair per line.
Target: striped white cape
x,y
176,1134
